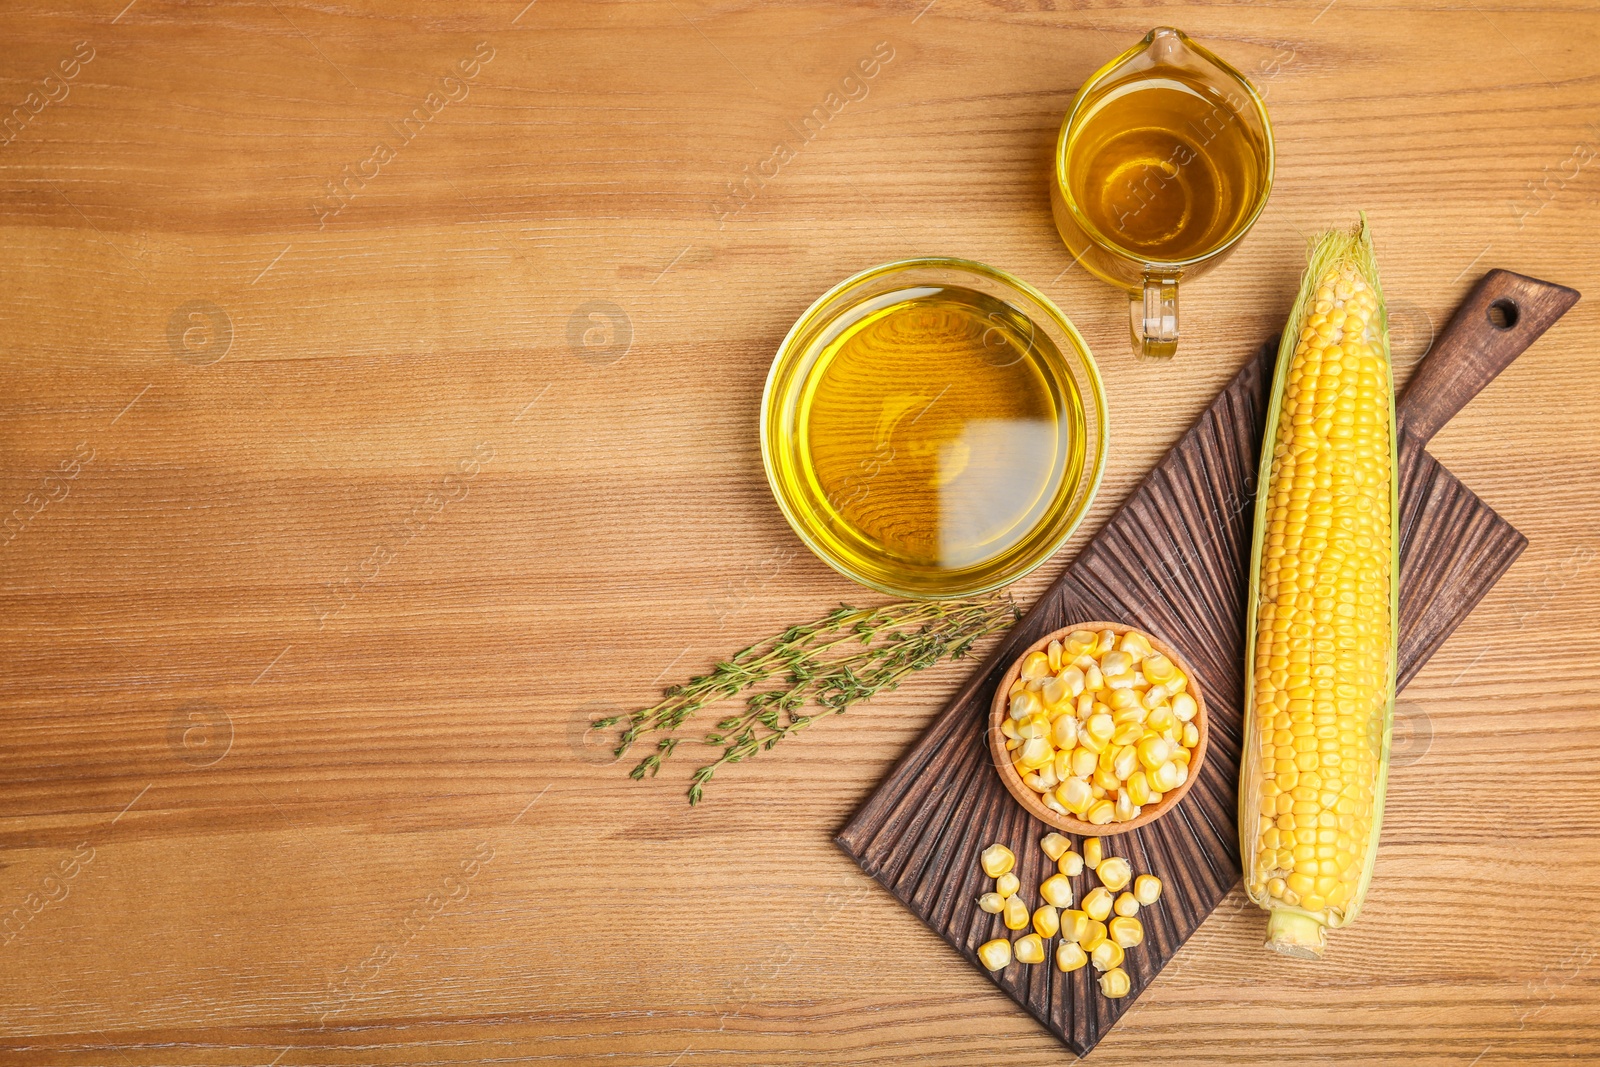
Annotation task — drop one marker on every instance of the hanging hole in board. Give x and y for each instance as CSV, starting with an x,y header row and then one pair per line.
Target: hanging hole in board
x,y
1502,314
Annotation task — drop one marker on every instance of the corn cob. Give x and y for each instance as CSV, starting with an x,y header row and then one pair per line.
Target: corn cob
x,y
1324,585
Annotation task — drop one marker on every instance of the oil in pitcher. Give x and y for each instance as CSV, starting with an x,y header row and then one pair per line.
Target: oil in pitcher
x,y
1163,164
1162,170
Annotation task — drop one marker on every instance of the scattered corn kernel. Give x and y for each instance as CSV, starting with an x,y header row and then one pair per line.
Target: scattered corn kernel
x,y
1114,984
997,860
1030,949
1055,846
1075,925
1070,956
1147,889
1115,872
1086,937
996,954
1126,931
1056,891
1106,955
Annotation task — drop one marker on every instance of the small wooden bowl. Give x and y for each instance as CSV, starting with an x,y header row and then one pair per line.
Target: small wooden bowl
x,y
1031,800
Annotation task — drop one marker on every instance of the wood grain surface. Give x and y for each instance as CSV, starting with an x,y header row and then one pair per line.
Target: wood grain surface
x,y
355,456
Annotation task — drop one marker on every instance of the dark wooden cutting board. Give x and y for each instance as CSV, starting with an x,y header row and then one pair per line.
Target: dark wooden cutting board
x,y
1173,561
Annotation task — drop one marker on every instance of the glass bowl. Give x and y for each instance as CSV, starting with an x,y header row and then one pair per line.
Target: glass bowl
x,y
934,428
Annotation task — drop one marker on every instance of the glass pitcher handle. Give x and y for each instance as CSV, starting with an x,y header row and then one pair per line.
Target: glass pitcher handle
x,y
1153,315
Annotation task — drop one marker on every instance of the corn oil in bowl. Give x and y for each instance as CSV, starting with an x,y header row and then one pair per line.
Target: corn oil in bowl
x,y
934,428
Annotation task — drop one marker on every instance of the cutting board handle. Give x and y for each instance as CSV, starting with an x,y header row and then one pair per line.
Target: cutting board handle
x,y
1499,319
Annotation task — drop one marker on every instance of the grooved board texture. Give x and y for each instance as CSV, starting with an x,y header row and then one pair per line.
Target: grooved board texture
x,y
1173,561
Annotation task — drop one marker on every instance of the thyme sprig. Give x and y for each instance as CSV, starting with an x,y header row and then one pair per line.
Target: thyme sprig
x,y
847,656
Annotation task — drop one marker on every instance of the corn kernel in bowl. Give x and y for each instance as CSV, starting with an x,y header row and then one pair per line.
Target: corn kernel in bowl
x,y
1107,733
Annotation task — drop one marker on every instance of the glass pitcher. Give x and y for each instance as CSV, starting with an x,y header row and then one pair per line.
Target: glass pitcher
x,y
1163,163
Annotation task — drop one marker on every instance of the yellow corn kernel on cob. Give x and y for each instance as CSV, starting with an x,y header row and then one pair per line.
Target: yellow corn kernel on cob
x,y
1324,591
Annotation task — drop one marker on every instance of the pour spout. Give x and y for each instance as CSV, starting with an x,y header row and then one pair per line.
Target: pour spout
x,y
1165,45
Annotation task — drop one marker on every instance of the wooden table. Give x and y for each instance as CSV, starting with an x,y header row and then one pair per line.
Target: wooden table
x,y
360,454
